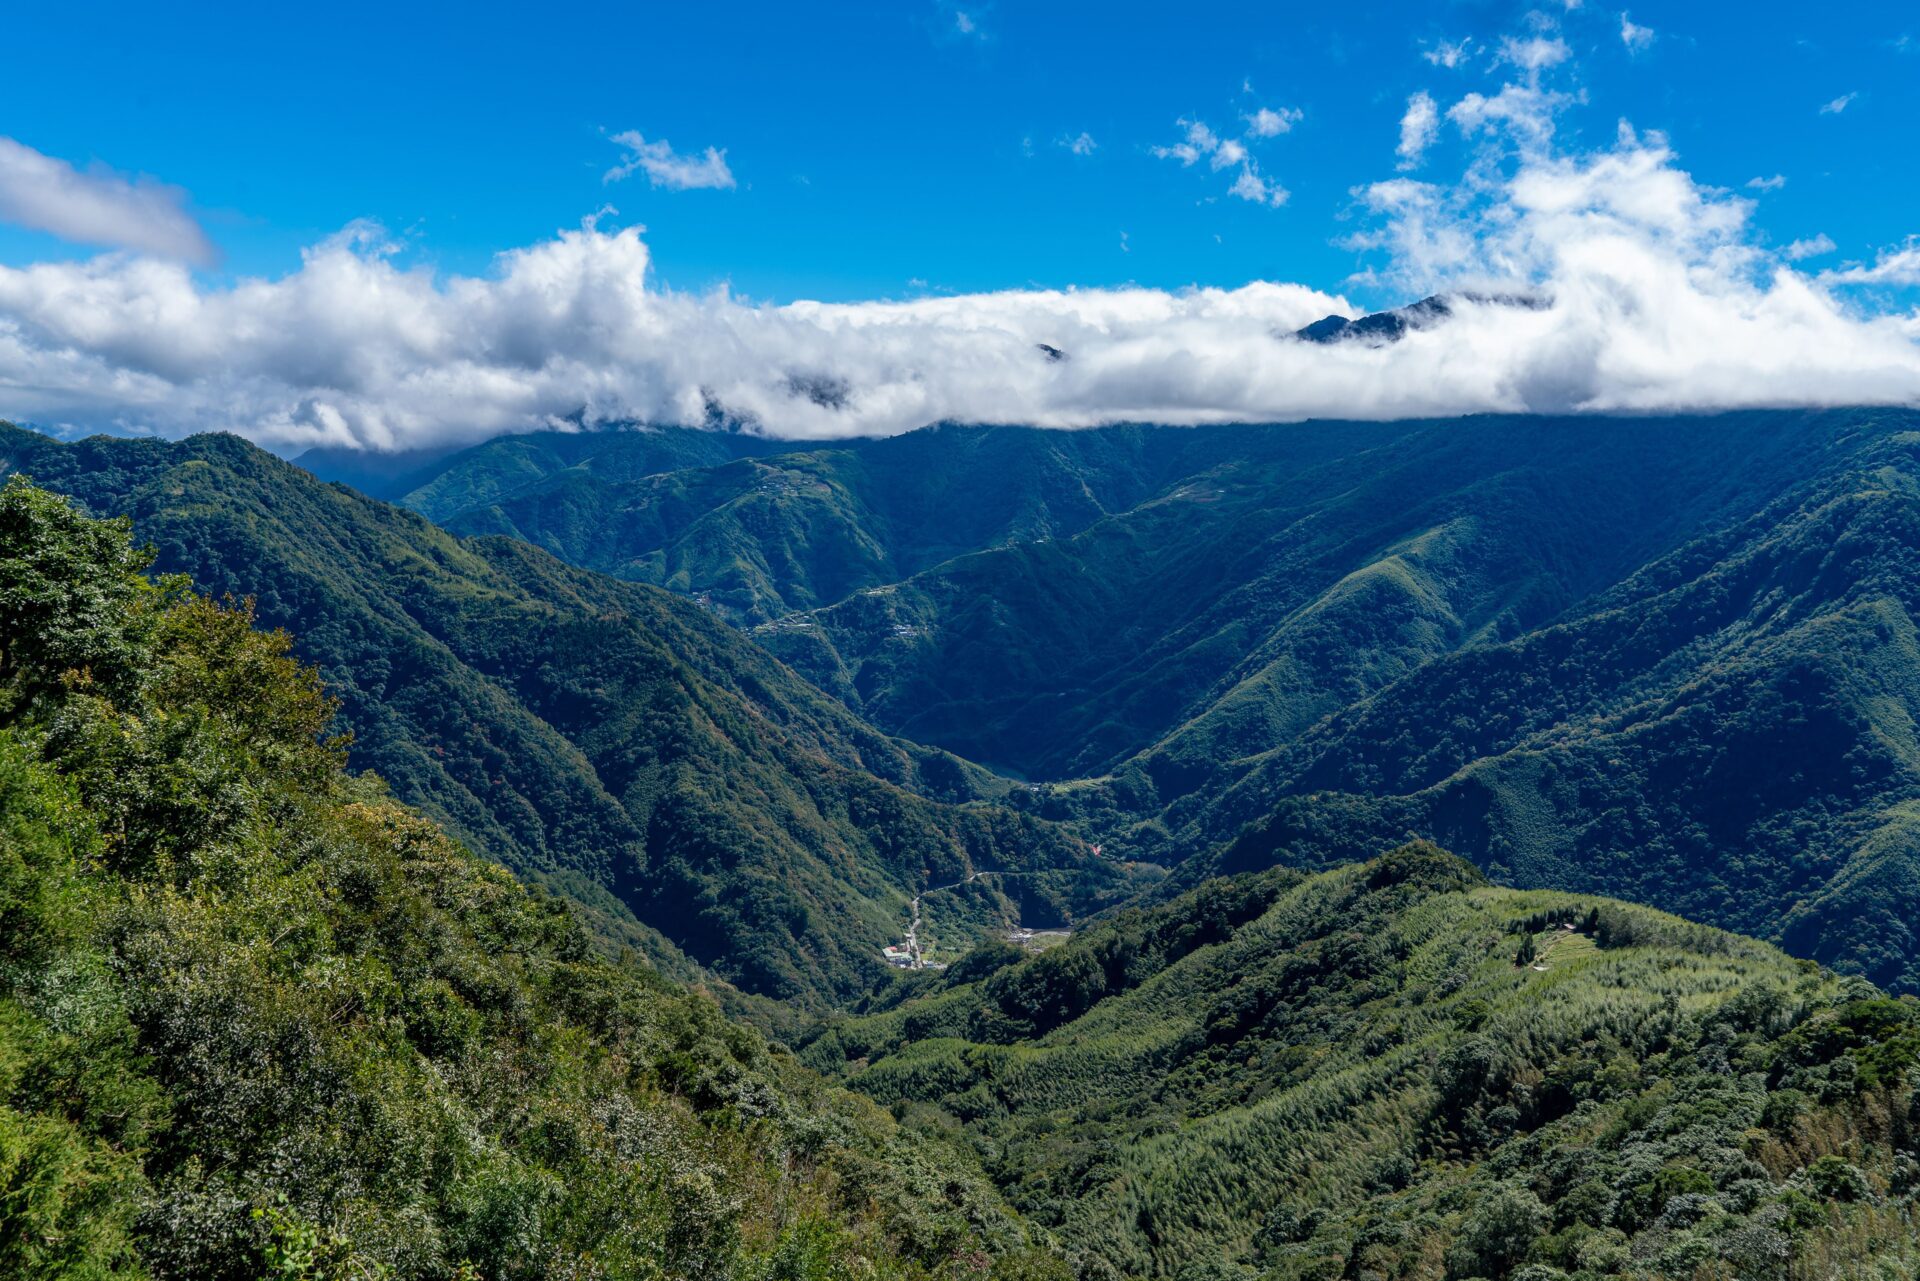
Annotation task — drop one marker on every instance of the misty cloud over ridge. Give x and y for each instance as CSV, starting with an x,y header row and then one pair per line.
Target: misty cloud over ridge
x,y
1658,296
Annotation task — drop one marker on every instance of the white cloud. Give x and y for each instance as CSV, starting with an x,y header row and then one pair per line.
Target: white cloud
x,y
1230,151
1268,123
99,207
1811,247
1653,291
1839,104
1200,136
1774,183
1534,54
1418,128
963,22
1199,141
1251,186
665,168
1449,54
1082,145
1523,112
1900,267
1635,36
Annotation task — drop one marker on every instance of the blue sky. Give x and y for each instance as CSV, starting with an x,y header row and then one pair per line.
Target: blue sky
x,y
874,146
386,229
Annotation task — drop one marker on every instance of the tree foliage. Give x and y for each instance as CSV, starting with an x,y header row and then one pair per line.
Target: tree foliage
x,y
256,1019
607,740
1347,1076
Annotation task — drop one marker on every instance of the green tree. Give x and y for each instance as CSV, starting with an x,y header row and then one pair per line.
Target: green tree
x,y
1498,1232
72,601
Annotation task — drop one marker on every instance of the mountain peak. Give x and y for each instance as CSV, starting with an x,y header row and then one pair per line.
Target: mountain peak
x,y
1382,327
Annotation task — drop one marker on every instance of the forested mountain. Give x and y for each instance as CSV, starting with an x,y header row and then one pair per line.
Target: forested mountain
x,y
763,536
609,739
1396,1070
494,469
1594,656
1667,658
1291,571
257,1020
1727,732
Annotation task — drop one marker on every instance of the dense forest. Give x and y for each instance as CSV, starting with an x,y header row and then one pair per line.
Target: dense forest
x,y
256,1019
461,928
609,740
1396,1070
1668,659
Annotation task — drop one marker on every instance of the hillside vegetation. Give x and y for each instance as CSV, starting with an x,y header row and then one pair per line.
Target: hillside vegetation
x,y
256,1019
1668,659
1728,731
1396,1070
439,480
608,739
791,528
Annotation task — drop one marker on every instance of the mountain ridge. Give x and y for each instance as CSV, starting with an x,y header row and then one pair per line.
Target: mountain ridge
x,y
1251,625
256,1019
607,738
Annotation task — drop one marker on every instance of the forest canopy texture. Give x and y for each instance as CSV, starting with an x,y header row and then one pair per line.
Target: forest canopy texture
x,y
258,1020
261,1016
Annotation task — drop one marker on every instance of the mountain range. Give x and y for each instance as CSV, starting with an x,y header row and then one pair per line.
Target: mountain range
x,y
1669,658
1199,705
610,740
259,1020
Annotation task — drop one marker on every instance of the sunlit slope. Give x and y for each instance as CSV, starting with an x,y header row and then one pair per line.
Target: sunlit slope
x,y
1395,1069
256,1019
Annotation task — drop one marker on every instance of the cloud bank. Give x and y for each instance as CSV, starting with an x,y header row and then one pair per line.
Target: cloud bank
x,y
1651,290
